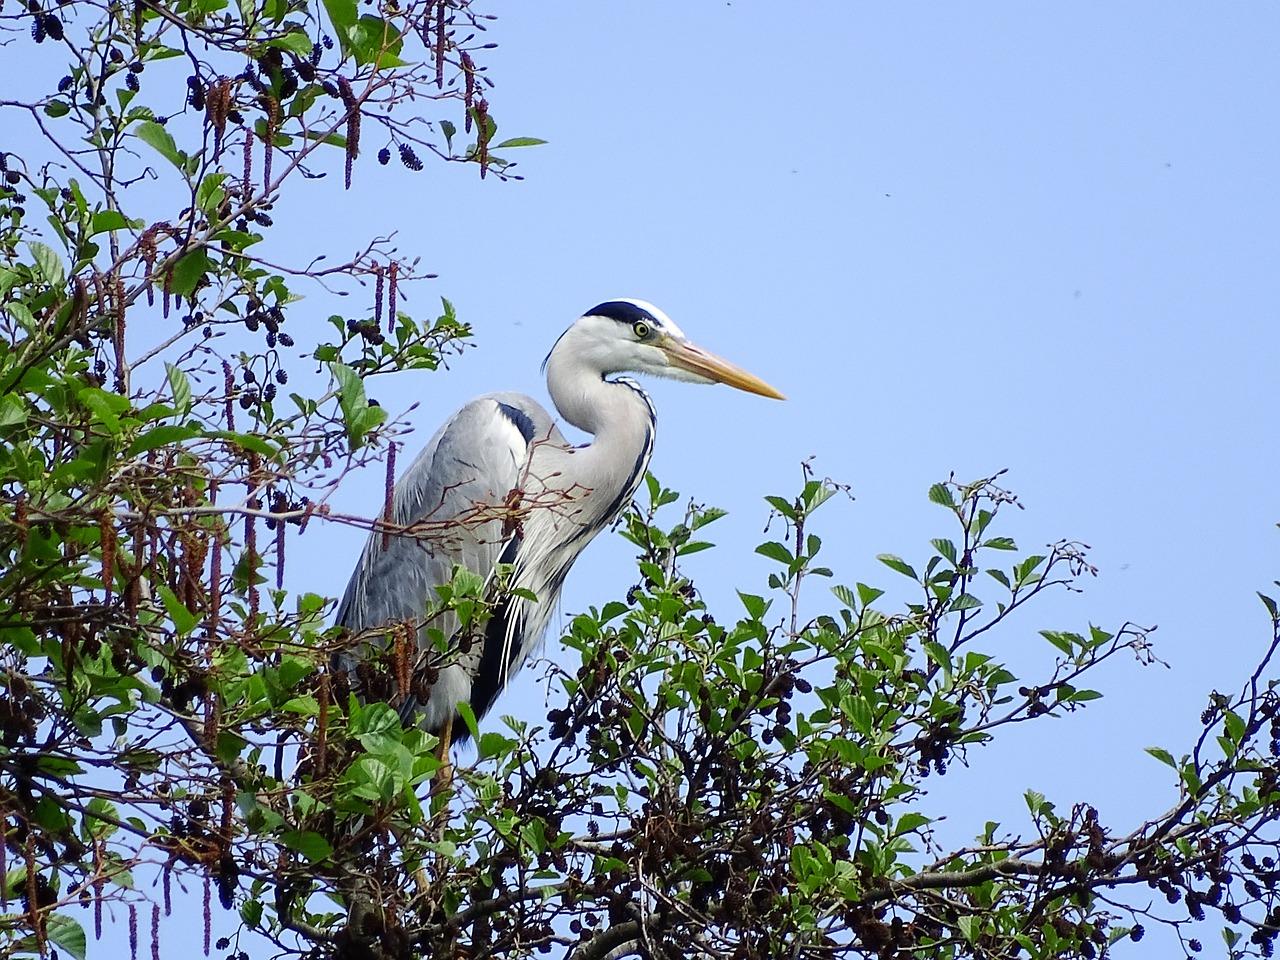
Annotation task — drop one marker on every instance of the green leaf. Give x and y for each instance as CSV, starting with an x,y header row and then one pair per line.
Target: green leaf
x,y
518,142
251,912
755,606
184,620
494,745
1234,726
311,845
358,417
448,129
248,441
295,41
775,551
783,506
106,407
48,263
373,40
180,387
188,271
938,654
342,13
56,108
1163,755
67,934
898,564
1059,639
469,718
1000,543
13,409
210,194
105,221
868,595
940,494
162,436
161,140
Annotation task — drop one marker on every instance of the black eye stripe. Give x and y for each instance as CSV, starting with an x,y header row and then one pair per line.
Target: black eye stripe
x,y
624,312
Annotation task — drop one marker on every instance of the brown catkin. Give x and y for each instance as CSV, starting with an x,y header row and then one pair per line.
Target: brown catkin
x,y
440,42
280,525
79,305
99,292
208,918
403,644
251,539
228,808
155,931
246,180
147,249
353,125
389,497
394,275
99,884
168,888
33,901
377,293
4,864
107,538
117,333
217,106
229,383
483,131
469,95
133,932
168,292
322,723
215,584
273,121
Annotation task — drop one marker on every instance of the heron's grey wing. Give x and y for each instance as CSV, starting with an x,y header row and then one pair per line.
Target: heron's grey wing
x,y
446,502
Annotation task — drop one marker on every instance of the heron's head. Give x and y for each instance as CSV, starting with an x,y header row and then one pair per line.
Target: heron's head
x,y
636,337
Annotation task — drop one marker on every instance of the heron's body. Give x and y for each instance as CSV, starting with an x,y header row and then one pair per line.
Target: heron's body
x,y
500,484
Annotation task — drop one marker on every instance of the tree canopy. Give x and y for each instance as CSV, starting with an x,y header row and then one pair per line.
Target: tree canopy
x,y
741,783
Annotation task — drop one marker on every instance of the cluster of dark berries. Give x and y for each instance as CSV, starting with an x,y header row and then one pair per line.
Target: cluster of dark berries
x,y
20,711
409,158
270,319
781,681
44,24
181,694
281,503
368,330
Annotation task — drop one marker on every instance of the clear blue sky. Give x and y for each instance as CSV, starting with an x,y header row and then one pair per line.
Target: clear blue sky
x,y
959,237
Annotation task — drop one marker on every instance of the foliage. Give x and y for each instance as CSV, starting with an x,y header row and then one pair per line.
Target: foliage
x,y
742,785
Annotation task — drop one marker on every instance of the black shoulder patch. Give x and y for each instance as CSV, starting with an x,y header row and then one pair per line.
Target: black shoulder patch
x,y
520,419
623,312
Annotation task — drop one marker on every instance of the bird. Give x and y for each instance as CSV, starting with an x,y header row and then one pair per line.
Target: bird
x,y
500,488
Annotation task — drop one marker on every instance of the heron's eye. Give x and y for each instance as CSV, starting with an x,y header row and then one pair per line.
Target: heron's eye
x,y
641,329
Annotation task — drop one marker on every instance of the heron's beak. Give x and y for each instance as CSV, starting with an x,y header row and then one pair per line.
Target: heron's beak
x,y
686,356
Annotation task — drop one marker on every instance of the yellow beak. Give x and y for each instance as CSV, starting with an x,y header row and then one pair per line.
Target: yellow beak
x,y
685,355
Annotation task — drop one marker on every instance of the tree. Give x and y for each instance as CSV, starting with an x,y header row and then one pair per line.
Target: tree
x,y
738,784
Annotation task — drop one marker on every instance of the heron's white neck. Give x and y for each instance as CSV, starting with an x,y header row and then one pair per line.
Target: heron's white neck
x,y
609,411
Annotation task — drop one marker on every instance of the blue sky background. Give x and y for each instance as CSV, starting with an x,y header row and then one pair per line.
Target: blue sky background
x,y
960,238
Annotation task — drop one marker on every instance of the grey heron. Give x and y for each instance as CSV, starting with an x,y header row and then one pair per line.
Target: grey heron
x,y
502,451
